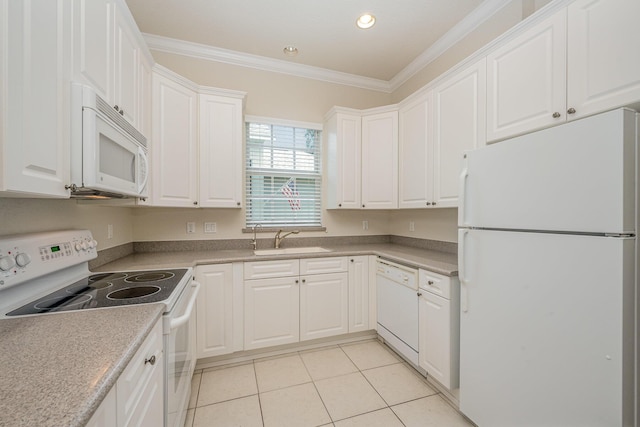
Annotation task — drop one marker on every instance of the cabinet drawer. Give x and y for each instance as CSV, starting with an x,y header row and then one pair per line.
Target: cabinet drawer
x,y
132,386
435,283
323,265
269,269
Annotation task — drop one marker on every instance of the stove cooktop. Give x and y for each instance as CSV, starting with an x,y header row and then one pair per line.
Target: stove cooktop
x,y
107,290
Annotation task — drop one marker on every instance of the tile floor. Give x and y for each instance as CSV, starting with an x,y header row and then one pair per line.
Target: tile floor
x,y
350,385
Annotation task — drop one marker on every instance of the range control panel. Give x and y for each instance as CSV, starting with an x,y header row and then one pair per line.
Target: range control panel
x,y
25,257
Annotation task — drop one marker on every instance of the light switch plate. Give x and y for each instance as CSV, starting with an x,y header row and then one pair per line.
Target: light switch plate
x,y
191,227
210,227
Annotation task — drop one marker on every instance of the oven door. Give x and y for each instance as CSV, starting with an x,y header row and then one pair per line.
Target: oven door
x,y
180,355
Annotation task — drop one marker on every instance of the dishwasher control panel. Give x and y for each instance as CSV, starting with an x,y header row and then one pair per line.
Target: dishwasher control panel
x,y
401,274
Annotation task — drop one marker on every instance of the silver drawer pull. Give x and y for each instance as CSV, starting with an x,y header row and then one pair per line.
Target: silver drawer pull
x,y
151,360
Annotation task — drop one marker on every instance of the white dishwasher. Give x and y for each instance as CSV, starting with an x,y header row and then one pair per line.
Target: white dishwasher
x,y
397,288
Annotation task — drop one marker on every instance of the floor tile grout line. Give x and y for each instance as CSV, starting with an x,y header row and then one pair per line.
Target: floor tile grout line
x,y
317,391
255,377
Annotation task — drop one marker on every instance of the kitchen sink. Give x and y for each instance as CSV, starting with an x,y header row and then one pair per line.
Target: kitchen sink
x,y
291,251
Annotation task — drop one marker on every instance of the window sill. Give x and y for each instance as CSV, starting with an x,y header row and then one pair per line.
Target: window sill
x,y
273,229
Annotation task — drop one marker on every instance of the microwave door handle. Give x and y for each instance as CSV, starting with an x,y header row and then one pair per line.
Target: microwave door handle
x,y
179,321
143,166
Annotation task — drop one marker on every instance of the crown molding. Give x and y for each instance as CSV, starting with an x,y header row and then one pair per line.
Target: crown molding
x,y
196,50
479,15
210,53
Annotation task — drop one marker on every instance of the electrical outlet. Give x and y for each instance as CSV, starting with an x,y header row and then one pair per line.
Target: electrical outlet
x,y
412,226
191,227
365,225
210,227
110,231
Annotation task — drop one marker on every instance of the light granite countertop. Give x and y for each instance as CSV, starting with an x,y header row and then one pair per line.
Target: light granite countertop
x,y
57,368
438,262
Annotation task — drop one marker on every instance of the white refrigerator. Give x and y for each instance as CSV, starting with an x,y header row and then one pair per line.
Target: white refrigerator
x,y
547,266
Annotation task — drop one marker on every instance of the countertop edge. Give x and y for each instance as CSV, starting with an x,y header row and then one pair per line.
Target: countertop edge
x,y
111,377
435,261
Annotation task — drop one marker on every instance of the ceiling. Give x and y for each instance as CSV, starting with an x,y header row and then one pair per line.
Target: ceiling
x,y
324,31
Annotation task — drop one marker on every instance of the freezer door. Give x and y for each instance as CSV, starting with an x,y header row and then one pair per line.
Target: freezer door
x,y
577,177
546,329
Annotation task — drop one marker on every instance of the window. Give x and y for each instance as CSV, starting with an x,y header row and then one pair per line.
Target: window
x,y
283,175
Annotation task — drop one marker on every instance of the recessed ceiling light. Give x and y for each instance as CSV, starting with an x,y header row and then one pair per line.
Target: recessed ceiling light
x,y
366,21
290,50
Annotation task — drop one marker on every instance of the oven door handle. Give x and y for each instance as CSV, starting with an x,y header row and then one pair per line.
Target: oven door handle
x,y
179,321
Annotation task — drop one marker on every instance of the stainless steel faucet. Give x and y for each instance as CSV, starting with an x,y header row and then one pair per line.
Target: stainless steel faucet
x,y
278,239
254,242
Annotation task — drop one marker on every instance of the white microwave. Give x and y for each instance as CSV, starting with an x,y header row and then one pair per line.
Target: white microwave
x,y
108,155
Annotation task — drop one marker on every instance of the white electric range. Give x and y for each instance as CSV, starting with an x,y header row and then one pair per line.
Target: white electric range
x,y
48,273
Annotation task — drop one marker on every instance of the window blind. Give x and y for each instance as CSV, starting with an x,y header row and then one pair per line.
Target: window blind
x,y
283,175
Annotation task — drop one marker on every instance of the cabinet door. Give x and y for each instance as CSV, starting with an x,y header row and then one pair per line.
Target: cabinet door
x,y
126,54
93,45
380,161
344,150
358,293
214,321
323,305
526,80
415,164
140,388
271,310
435,337
34,149
603,55
173,146
220,152
459,124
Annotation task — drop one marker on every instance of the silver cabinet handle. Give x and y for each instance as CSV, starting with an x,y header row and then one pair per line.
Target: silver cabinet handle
x,y
571,110
419,294
556,115
151,361
430,282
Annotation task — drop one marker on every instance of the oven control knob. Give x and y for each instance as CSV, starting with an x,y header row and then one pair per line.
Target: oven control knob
x,y
22,259
93,244
78,247
7,263
83,246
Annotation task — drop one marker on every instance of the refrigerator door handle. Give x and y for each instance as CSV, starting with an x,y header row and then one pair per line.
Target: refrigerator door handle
x,y
462,273
461,199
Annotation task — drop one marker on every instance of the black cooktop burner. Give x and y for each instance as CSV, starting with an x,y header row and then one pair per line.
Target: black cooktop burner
x,y
107,290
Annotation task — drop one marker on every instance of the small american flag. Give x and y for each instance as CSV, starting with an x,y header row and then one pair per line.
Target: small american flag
x,y
291,193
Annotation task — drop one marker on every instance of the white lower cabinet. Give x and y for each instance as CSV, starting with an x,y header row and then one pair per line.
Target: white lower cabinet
x,y
439,328
286,301
137,398
214,318
358,293
140,388
324,308
271,311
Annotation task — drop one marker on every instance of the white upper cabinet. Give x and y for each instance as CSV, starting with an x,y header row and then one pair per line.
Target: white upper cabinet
x,y
580,61
173,145
107,53
93,44
603,55
220,151
380,159
458,125
342,132
196,147
34,98
127,59
415,165
526,80
362,158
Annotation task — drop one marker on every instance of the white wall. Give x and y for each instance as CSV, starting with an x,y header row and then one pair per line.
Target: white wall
x,y
35,215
